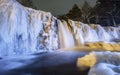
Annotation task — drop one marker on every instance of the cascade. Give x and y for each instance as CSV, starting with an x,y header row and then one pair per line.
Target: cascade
x,y
84,33
25,30
65,35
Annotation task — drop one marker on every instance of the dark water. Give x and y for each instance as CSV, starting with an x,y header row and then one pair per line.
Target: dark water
x,y
49,63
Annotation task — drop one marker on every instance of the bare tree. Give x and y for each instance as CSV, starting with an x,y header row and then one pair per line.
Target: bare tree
x,y
107,9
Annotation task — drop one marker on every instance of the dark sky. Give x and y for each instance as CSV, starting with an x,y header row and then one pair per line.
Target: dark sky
x,y
57,7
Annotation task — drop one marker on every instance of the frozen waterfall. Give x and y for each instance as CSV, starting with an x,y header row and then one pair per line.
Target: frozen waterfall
x,y
25,30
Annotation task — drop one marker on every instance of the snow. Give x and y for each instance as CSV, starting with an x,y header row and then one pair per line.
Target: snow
x,y
105,69
101,63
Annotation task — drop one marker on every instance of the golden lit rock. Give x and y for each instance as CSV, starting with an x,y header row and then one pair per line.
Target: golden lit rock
x,y
87,61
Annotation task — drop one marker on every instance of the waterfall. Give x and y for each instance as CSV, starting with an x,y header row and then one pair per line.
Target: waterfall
x,y
84,33
65,36
25,30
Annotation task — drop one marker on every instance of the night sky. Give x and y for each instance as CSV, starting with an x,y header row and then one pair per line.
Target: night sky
x,y
58,7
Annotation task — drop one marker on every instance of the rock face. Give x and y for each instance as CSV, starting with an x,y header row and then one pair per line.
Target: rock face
x,y
25,30
104,46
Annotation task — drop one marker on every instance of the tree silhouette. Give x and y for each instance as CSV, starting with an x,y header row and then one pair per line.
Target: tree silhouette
x,y
74,14
86,11
107,12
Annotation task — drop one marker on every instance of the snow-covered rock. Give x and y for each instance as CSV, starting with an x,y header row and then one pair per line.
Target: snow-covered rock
x,y
101,63
105,69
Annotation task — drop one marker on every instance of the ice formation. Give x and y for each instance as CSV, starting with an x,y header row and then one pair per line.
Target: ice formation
x,y
25,30
101,63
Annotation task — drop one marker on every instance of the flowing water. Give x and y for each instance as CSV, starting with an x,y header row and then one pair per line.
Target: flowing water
x,y
25,30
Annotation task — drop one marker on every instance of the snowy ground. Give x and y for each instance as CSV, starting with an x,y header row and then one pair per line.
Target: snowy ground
x,y
48,63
